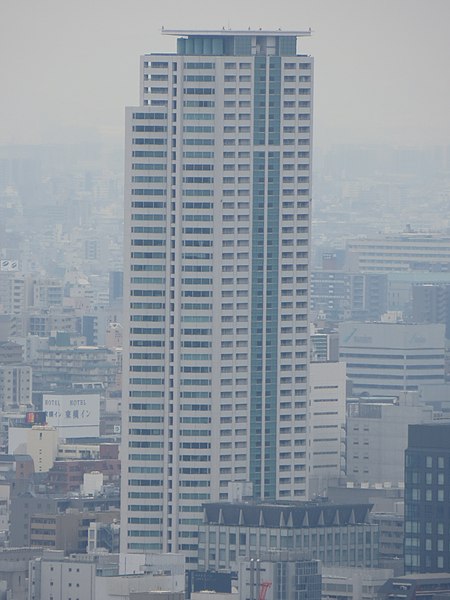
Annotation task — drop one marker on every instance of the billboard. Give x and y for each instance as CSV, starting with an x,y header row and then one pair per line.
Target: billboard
x,y
35,418
73,415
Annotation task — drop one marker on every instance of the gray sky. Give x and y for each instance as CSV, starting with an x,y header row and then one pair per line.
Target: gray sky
x,y
68,67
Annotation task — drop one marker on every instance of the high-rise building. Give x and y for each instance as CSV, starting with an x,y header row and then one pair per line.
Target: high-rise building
x,y
427,494
217,223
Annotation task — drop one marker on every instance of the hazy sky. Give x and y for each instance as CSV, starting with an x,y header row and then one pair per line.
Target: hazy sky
x,y
68,67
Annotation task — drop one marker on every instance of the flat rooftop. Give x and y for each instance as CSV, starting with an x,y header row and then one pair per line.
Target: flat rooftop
x,y
235,32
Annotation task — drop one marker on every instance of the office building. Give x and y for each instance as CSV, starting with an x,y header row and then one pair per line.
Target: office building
x,y
15,387
388,358
215,281
377,435
14,571
401,293
323,344
427,498
391,540
339,295
431,304
67,531
399,252
100,576
292,576
115,286
432,586
335,534
347,583
327,412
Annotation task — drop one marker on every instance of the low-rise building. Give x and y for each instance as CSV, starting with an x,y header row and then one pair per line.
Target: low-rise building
x,y
347,583
335,534
97,577
15,387
432,586
283,574
377,435
14,563
67,531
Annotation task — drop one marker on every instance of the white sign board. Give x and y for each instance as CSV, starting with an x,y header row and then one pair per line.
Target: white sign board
x,y
73,415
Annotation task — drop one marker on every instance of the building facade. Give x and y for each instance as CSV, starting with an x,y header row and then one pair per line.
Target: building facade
x,y
398,252
292,575
377,436
388,358
341,295
427,498
15,387
409,587
327,416
339,535
216,281
340,583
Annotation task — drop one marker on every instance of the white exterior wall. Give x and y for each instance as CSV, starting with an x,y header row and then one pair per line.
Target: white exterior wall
x,y
73,415
397,252
387,358
188,429
348,583
62,580
42,446
326,424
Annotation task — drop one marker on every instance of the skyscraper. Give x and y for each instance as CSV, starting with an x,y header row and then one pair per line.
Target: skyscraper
x,y
216,281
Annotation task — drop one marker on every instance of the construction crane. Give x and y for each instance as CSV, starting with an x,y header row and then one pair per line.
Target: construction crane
x,y
265,585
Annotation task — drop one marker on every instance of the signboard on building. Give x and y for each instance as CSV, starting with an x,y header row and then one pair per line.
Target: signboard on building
x,y
73,415
36,418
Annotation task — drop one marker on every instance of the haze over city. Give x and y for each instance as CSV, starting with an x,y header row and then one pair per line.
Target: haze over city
x,y
68,68
224,300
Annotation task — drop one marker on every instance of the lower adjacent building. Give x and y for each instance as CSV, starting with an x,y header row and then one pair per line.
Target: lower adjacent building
x,y
15,387
410,587
26,506
14,571
334,534
350,583
285,574
100,577
377,435
326,443
68,531
391,540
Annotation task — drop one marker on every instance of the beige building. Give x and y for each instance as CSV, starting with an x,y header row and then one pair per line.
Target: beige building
x,y
400,252
326,440
42,446
350,583
39,441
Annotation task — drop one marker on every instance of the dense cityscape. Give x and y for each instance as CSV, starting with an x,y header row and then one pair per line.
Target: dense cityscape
x,y
224,367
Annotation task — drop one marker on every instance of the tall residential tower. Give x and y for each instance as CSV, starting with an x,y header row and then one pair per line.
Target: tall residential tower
x,y
217,192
